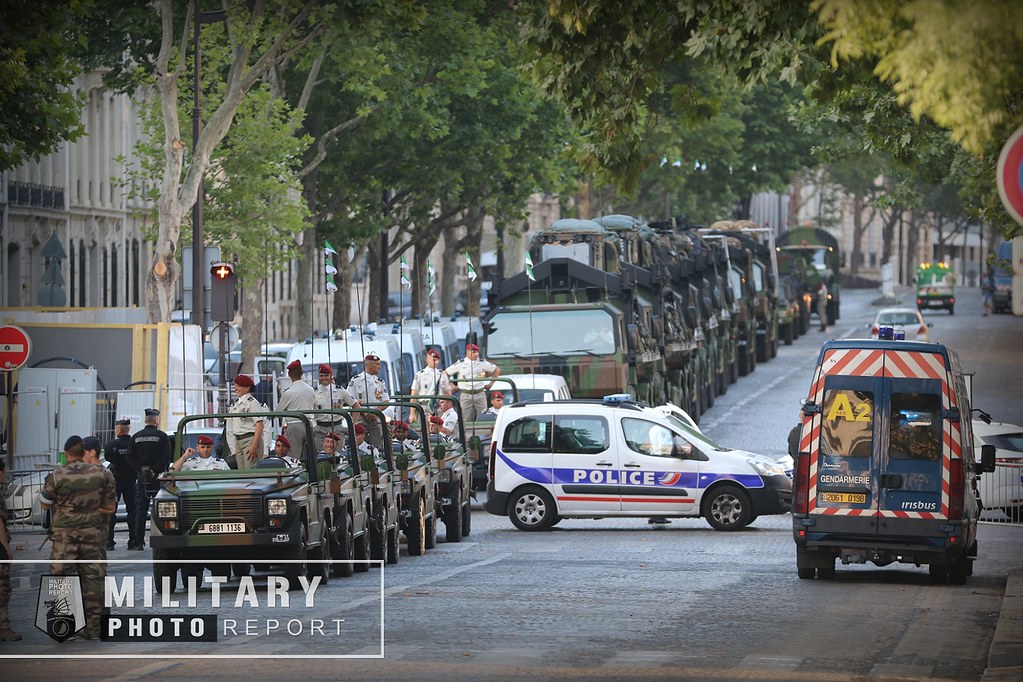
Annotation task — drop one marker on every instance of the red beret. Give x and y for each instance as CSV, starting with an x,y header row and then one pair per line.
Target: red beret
x,y
373,357
471,346
436,420
359,428
333,436
295,364
326,369
401,425
244,380
204,440
284,439
434,352
494,394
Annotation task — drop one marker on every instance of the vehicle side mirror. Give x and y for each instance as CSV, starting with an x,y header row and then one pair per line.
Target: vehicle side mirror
x,y
439,451
987,458
952,414
811,408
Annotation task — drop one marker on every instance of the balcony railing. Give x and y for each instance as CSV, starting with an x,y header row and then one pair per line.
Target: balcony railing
x,y
31,194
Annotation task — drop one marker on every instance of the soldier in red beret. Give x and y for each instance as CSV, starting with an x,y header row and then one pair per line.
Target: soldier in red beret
x,y
368,387
299,397
245,434
205,460
330,396
473,377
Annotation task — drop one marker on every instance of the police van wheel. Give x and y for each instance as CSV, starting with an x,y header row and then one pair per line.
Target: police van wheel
x,y
453,519
415,531
958,570
826,572
532,509
806,572
937,573
728,508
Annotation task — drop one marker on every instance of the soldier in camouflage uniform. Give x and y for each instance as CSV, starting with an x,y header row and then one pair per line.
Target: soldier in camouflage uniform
x,y
6,633
82,496
91,446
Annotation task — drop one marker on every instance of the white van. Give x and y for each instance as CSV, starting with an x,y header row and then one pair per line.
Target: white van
x,y
545,387
616,457
346,356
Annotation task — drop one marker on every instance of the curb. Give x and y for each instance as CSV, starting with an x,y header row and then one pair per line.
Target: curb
x,y
1005,658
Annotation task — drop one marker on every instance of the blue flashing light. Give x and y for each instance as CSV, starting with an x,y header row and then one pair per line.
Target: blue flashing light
x,y
900,335
886,333
617,398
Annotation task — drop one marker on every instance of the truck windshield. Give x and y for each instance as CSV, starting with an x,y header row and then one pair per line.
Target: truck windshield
x,y
551,332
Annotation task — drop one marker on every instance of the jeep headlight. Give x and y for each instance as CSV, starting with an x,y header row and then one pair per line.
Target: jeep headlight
x,y
765,468
444,475
277,507
167,510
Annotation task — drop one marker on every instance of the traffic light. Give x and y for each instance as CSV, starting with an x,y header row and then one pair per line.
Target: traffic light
x,y
222,292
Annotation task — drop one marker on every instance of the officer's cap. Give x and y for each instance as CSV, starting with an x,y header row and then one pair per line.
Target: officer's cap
x,y
71,442
122,422
204,440
91,443
152,412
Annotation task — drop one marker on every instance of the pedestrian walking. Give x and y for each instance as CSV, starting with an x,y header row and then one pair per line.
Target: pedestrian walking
x,y
125,476
368,387
472,374
987,289
244,435
430,380
81,496
150,453
7,633
330,396
299,397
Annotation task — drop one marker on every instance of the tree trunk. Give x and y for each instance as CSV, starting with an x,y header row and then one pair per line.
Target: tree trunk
x,y
253,317
888,235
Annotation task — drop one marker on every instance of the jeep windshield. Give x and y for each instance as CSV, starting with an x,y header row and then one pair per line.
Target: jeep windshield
x,y
551,332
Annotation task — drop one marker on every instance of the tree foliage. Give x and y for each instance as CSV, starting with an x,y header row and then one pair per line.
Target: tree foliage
x,y
39,50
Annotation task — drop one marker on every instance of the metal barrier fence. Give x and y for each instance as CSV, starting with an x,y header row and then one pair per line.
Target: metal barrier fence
x,y
1001,492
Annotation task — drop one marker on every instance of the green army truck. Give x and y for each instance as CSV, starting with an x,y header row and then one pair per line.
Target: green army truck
x,y
935,287
820,249
310,514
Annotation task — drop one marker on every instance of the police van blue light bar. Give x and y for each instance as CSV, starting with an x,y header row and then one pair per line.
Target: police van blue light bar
x,y
617,398
885,333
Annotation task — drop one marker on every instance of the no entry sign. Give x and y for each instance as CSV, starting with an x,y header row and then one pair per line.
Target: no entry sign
x,y
1010,175
15,347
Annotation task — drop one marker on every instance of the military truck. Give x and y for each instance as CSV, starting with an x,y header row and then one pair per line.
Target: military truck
x,y
820,248
311,514
417,483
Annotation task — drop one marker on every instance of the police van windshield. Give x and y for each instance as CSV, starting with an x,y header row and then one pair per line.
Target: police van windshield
x,y
551,332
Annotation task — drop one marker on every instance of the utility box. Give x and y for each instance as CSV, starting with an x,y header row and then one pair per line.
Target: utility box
x,y
53,404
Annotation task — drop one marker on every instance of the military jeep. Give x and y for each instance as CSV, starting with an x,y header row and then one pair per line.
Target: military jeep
x,y
306,514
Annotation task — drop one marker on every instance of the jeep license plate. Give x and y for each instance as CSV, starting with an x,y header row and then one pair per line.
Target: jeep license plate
x,y
222,528
849,498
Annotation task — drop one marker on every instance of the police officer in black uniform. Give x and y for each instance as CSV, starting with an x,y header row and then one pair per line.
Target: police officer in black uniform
x,y
125,476
150,454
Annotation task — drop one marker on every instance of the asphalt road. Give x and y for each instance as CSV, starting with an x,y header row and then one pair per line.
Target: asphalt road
x,y
616,599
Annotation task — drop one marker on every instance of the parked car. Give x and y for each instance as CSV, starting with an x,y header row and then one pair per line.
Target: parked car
x,y
1003,488
545,387
909,320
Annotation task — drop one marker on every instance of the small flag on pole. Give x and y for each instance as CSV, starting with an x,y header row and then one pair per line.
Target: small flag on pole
x,y
431,277
328,249
529,268
470,270
329,268
331,287
405,281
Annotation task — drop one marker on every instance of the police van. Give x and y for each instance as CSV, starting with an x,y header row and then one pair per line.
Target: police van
x,y
885,470
617,457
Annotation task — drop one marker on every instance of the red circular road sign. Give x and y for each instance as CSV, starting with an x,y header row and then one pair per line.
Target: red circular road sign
x,y
15,346
1010,175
